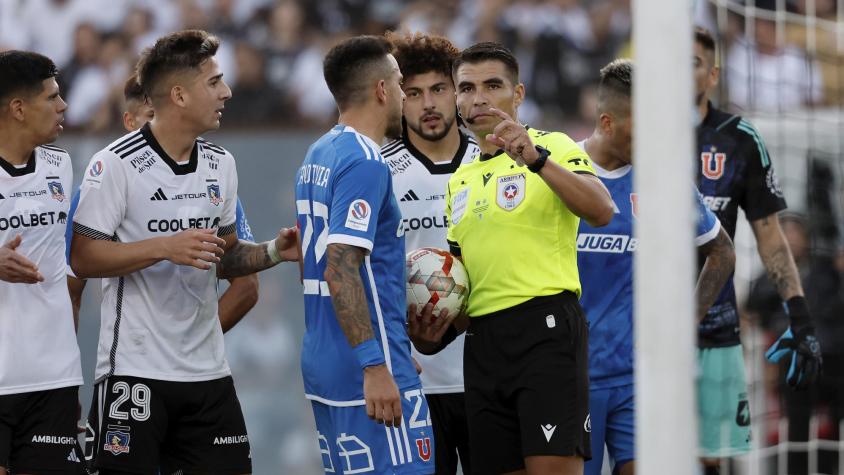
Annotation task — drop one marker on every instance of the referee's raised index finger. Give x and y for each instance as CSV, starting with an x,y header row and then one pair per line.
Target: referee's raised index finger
x,y
500,113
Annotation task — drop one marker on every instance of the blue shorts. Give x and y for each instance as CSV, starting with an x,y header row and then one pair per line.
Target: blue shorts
x,y
350,442
612,414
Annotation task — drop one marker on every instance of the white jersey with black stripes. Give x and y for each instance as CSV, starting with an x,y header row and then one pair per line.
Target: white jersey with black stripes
x,y
159,322
419,186
38,349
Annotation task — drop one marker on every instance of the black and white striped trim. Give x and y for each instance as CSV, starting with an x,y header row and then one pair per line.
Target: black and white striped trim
x,y
211,146
92,233
130,138
227,229
112,354
53,148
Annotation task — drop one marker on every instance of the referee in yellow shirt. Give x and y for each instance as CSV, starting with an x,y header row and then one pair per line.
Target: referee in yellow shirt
x,y
515,228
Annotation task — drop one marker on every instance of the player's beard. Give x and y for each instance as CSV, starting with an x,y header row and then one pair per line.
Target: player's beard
x,y
394,127
433,135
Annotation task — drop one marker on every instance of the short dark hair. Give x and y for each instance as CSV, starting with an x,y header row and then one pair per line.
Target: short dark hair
x,y
349,64
173,53
616,85
132,90
704,38
23,72
488,51
420,54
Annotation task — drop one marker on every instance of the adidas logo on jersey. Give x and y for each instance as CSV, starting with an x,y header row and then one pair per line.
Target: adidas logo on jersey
x,y
2,197
409,196
72,457
158,196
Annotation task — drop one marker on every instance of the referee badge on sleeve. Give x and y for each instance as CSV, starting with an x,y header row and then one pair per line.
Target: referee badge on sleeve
x,y
510,191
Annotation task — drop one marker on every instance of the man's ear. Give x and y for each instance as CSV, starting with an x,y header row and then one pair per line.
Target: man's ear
x,y
714,74
606,122
381,91
518,95
178,95
16,108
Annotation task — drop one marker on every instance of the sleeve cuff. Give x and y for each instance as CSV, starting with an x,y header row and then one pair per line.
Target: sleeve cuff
x,y
83,230
350,240
709,235
227,229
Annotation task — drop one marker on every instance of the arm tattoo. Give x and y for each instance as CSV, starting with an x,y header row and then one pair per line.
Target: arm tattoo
x,y
244,258
782,271
719,265
343,276
777,258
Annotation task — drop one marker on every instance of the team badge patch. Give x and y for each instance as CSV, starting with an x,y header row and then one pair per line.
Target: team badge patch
x,y
423,448
712,164
358,216
117,442
214,194
96,169
510,192
458,205
57,190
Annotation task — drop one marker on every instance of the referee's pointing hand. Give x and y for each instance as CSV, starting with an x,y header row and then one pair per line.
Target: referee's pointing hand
x,y
513,138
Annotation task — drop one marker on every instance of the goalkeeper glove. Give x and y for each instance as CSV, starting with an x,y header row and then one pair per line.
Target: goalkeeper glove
x,y
799,345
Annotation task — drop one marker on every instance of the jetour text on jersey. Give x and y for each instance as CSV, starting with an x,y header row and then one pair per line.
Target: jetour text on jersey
x,y
46,218
181,224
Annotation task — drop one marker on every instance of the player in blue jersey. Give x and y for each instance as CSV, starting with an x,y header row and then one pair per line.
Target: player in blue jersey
x,y
370,412
605,262
242,293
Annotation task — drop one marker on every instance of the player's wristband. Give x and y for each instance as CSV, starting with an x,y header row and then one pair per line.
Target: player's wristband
x,y
273,251
539,162
369,353
798,312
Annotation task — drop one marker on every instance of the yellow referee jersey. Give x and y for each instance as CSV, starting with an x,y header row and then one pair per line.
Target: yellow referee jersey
x,y
517,239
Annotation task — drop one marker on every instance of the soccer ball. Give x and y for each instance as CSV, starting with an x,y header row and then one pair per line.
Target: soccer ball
x,y
435,276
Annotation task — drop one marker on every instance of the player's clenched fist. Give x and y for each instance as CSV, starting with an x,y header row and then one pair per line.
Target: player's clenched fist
x,y
195,247
286,245
381,394
14,267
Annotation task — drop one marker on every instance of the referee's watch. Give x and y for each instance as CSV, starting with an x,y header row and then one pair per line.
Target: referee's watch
x,y
539,162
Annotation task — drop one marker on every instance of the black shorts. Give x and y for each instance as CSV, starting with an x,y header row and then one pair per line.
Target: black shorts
x,y
140,425
38,432
451,434
527,383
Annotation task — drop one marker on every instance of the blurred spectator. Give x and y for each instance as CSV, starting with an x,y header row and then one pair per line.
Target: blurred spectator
x,y
822,283
765,76
86,44
94,84
821,41
253,102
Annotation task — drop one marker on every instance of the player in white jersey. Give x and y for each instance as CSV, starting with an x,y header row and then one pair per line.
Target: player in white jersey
x,y
156,219
40,370
242,293
431,148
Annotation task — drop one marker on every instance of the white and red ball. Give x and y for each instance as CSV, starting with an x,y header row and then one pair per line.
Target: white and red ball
x,y
435,276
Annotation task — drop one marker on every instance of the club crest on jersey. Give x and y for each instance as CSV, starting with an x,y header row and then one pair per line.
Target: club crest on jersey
x,y
358,216
634,204
423,448
712,164
57,190
214,194
117,442
510,191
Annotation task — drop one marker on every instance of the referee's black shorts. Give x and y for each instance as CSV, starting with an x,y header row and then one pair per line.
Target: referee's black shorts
x,y
527,384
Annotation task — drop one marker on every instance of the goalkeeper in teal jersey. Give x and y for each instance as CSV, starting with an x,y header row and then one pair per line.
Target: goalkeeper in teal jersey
x,y
605,262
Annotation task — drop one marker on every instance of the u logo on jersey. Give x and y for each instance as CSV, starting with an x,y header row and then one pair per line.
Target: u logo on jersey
x,y
712,164
423,448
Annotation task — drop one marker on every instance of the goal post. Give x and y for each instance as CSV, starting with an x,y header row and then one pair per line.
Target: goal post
x,y
665,263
